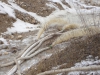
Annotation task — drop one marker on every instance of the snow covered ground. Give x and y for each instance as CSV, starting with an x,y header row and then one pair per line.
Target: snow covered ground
x,y
90,60
20,26
76,6
9,9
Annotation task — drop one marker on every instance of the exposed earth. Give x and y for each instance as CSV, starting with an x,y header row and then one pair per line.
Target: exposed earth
x,y
65,54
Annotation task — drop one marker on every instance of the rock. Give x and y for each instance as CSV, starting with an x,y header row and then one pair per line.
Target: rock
x,y
5,53
13,49
33,21
12,36
36,22
13,33
5,36
19,37
4,46
1,42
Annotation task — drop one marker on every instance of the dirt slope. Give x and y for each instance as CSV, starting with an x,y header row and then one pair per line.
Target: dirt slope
x,y
67,53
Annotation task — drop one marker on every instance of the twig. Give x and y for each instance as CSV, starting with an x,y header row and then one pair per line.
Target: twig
x,y
41,50
25,51
34,49
12,70
71,69
44,39
18,67
7,64
25,54
32,55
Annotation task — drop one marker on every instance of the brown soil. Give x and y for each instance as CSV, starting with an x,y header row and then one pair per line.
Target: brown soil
x,y
26,17
39,6
58,5
4,1
5,22
36,6
78,50
64,2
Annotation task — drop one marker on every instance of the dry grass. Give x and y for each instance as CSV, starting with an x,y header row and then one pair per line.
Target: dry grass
x,y
78,50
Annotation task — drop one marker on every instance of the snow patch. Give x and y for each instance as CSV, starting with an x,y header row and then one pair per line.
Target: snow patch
x,y
29,64
75,6
52,6
88,62
21,26
60,2
6,9
15,6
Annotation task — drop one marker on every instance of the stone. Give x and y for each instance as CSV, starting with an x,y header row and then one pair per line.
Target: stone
x,y
1,42
19,37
